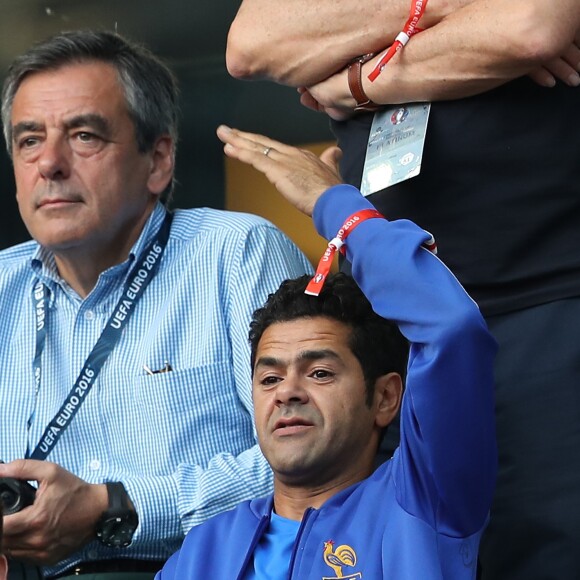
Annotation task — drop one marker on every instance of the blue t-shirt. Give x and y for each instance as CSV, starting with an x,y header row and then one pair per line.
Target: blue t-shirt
x,y
273,553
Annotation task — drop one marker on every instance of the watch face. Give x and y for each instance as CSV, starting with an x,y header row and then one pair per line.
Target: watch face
x,y
117,531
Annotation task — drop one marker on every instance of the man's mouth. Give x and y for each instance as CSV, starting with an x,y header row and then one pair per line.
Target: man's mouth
x,y
291,426
51,202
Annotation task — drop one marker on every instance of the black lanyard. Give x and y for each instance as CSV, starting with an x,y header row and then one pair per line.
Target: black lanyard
x,y
141,274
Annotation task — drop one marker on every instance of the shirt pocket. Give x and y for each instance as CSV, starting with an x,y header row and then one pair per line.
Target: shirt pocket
x,y
190,414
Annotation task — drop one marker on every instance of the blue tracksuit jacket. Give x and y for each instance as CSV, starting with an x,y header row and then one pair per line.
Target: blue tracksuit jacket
x,y
420,515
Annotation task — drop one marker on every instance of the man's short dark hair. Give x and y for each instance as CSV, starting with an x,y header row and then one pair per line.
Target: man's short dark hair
x,y
150,88
376,342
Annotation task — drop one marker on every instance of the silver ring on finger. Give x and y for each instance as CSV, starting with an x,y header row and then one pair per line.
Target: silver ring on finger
x,y
267,151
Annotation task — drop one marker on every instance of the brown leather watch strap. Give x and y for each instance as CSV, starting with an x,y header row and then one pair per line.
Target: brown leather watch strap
x,y
363,103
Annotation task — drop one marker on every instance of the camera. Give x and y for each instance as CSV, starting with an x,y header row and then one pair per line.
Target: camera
x,y
15,495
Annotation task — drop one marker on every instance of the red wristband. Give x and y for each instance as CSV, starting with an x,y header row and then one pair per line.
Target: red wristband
x,y
315,285
417,10
337,243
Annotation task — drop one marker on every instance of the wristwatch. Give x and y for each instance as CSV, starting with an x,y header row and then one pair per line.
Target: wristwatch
x,y
363,103
119,522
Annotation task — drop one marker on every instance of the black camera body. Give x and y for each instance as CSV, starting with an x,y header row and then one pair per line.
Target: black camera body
x,y
15,495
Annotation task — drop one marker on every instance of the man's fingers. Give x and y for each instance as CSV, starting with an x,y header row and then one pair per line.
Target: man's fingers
x,y
572,55
543,77
308,101
299,175
26,469
563,68
240,141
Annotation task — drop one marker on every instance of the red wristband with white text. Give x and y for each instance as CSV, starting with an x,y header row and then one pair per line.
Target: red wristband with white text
x,y
338,242
315,285
417,10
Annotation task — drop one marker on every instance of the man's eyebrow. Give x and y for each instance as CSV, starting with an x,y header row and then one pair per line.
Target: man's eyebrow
x,y
319,354
268,361
26,127
90,120
306,355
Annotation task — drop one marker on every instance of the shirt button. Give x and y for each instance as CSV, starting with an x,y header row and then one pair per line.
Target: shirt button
x,y
93,554
95,464
89,315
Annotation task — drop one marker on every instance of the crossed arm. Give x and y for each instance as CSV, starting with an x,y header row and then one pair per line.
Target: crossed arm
x,y
468,47
303,42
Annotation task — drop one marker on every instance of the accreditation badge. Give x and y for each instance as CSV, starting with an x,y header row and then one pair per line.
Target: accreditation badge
x,y
395,147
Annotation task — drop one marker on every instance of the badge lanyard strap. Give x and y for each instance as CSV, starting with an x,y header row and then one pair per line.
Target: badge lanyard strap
x,y
141,274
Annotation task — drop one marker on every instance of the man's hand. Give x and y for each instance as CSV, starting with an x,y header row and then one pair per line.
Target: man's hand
x,y
565,68
299,175
61,520
332,95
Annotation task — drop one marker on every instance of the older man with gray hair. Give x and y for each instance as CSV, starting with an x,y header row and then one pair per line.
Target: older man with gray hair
x,y
126,387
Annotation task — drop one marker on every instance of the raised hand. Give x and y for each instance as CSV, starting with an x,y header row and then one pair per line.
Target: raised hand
x,y
299,175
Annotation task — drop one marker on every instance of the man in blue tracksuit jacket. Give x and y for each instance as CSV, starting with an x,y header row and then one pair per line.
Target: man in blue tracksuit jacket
x,y
324,389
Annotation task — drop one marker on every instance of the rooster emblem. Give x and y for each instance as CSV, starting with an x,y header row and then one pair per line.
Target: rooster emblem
x,y
341,556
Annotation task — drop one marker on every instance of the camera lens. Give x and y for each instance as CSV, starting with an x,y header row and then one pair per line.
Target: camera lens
x,y
10,497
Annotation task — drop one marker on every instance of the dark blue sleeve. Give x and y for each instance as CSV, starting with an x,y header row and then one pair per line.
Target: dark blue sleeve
x,y
445,467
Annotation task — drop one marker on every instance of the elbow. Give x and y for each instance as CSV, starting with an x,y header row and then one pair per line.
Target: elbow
x,y
241,55
466,332
250,56
239,66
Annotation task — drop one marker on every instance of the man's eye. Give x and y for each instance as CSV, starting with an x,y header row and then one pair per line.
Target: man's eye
x,y
321,374
270,380
28,142
85,137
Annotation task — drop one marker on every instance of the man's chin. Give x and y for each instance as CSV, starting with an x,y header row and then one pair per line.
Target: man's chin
x,y
296,470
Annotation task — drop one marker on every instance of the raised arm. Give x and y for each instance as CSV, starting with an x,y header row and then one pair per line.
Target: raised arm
x,y
448,434
304,42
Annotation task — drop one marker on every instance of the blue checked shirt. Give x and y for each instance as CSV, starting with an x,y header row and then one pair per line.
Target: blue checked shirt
x,y
183,441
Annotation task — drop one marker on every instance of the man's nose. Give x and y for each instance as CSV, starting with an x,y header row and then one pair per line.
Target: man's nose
x,y
291,391
54,159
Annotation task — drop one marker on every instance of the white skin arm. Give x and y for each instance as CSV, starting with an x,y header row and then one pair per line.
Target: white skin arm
x,y
306,41
473,50
468,47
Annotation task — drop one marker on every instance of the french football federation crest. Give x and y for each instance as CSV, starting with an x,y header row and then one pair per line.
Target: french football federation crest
x,y
341,557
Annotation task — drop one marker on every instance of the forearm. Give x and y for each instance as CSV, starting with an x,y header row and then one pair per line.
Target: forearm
x,y
449,399
476,49
316,39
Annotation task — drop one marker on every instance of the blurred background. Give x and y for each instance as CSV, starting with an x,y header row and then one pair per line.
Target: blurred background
x,y
190,36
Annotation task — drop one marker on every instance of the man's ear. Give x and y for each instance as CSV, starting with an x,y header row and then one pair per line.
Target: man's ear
x,y
388,393
3,567
162,165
